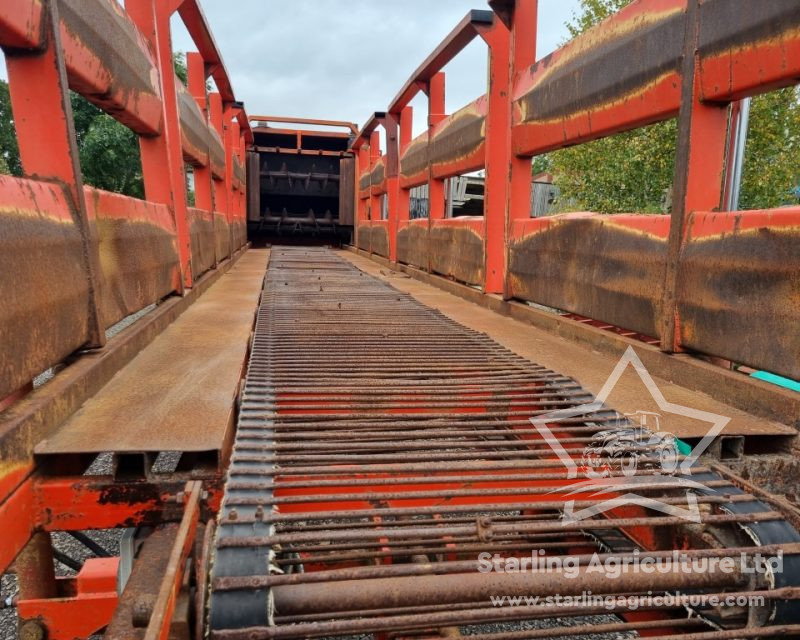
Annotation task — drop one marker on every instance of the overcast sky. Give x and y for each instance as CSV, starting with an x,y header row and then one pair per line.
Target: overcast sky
x,y
344,59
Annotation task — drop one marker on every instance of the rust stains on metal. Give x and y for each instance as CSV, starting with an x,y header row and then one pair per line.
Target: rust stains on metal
x,y
143,583
365,237
768,32
35,417
594,268
457,252
457,142
138,253
139,266
109,63
738,297
222,237
380,240
412,244
621,74
195,132
216,154
204,351
601,64
239,176
378,174
414,162
201,232
45,287
21,23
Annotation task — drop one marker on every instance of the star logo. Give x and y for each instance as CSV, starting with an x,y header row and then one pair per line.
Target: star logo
x,y
616,484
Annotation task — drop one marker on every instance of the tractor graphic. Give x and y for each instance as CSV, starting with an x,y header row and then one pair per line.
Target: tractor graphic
x,y
631,447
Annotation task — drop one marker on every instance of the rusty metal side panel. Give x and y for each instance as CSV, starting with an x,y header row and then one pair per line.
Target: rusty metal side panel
x,y
364,236
609,268
109,62
412,244
240,233
738,288
201,233
239,176
216,154
364,182
748,47
414,162
380,238
44,315
222,237
619,75
347,176
195,137
138,252
457,251
458,142
377,175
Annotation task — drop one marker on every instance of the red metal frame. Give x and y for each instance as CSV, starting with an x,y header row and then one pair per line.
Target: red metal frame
x,y
150,249
68,296
709,56
89,607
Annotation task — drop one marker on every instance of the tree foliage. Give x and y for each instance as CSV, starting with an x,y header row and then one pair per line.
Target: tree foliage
x,y
110,157
181,70
771,173
633,171
9,151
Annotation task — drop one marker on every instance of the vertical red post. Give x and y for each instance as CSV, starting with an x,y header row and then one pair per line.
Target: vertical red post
x,y
403,194
215,118
231,149
436,113
162,156
197,88
46,136
391,125
242,153
374,156
227,119
436,187
498,157
362,163
699,171
523,54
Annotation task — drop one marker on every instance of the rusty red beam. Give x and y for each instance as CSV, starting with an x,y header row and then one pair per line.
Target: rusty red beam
x,y
87,610
21,23
464,32
364,134
196,24
312,121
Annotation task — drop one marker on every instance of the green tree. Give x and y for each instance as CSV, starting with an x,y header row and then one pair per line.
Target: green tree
x,y
83,114
110,157
181,70
592,12
9,151
771,168
632,171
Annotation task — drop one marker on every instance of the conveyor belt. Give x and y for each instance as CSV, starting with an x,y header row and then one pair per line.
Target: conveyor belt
x,y
381,447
